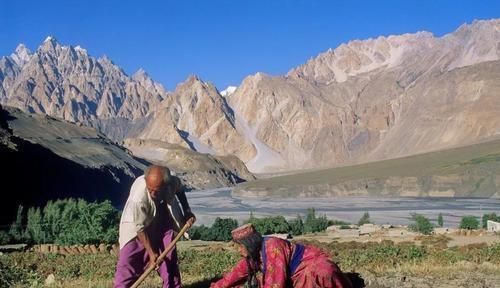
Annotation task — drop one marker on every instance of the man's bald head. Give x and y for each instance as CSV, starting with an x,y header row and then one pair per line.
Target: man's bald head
x,y
158,172
157,179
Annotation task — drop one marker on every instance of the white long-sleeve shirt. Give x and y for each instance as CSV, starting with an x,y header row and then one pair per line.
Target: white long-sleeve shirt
x,y
138,213
140,210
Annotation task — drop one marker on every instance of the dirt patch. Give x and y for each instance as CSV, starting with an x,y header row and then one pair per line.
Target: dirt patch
x,y
453,239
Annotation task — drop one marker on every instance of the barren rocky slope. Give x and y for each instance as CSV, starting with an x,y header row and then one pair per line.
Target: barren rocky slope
x,y
197,170
46,159
471,171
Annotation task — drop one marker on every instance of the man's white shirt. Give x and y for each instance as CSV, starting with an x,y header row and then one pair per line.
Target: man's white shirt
x,y
138,213
140,210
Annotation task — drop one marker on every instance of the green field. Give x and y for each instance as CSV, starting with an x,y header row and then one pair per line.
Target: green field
x,y
472,171
377,264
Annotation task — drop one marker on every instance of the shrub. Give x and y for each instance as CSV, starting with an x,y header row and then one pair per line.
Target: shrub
x,y
338,222
4,238
68,222
199,232
13,275
313,223
365,219
440,220
469,222
270,225
492,217
84,223
219,231
222,228
296,226
413,252
421,225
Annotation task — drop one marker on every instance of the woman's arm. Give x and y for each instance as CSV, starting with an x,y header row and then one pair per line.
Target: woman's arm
x,y
236,277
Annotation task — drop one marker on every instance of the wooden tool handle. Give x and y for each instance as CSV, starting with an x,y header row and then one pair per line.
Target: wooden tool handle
x,y
161,257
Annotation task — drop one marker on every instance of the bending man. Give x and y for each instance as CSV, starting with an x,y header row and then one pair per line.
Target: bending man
x,y
150,219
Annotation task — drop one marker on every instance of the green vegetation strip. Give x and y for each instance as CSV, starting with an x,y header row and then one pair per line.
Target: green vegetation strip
x,y
198,266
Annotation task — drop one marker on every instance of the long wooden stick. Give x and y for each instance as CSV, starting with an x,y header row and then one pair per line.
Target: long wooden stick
x,y
161,257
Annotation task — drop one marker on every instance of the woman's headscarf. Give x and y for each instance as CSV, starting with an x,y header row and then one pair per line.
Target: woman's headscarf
x,y
247,236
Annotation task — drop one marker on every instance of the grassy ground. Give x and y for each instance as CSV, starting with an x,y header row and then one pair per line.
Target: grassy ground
x,y
375,264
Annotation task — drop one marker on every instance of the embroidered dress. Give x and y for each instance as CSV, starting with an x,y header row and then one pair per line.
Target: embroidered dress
x,y
285,264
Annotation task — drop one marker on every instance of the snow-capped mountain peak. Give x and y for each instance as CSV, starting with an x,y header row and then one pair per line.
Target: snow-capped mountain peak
x,y
21,55
228,91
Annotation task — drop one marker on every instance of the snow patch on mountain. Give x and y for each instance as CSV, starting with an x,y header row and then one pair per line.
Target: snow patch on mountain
x,y
228,91
266,157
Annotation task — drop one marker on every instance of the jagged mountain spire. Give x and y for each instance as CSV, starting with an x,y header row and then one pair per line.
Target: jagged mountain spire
x,y
67,82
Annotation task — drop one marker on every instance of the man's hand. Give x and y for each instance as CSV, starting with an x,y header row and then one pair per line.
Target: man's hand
x,y
144,239
153,256
191,218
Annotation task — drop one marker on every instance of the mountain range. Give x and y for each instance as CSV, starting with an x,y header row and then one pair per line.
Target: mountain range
x,y
363,101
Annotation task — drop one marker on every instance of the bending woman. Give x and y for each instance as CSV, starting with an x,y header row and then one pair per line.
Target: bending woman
x,y
274,262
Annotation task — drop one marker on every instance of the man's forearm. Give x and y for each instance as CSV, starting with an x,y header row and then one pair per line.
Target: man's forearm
x,y
145,240
181,195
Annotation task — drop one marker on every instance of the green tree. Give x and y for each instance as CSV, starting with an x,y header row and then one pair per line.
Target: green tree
x,y
492,217
280,225
222,228
271,225
321,223
16,228
365,219
52,219
199,233
72,227
440,220
469,222
251,217
310,220
421,225
35,232
4,237
296,226
314,224
219,231
102,219
71,222
88,223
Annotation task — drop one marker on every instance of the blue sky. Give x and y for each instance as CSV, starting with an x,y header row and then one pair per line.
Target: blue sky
x,y
222,41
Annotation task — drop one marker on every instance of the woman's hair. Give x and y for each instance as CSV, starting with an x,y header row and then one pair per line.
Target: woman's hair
x,y
253,245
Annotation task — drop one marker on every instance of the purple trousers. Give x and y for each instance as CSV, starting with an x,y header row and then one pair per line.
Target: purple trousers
x,y
133,261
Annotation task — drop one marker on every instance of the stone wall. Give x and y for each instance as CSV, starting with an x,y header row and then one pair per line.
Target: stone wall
x,y
76,249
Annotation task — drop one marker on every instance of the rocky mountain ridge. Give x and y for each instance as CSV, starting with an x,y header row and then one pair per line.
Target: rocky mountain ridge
x,y
365,100
47,159
377,99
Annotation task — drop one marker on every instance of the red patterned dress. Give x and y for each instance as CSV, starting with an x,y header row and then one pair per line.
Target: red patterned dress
x,y
284,264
